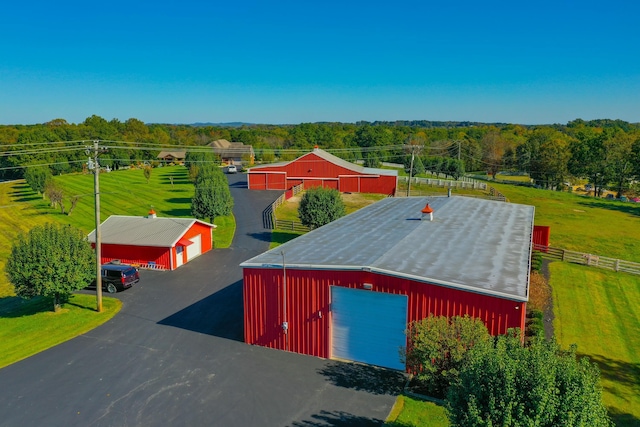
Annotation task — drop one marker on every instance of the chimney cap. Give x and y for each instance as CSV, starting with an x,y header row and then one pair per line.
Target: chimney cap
x,y
427,209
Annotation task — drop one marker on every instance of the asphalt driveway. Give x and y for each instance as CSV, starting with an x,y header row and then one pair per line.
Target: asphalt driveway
x,y
174,356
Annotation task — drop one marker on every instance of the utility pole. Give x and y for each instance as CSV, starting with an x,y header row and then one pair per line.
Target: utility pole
x,y
410,172
96,191
414,148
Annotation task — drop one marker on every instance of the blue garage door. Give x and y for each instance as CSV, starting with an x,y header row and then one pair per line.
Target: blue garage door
x,y
368,326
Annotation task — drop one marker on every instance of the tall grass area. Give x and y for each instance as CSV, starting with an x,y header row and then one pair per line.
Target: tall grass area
x,y
600,312
581,223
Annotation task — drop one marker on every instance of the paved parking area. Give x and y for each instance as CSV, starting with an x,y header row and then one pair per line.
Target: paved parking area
x,y
174,356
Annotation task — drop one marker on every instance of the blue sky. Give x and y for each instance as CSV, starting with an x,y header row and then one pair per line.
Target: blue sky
x,y
294,62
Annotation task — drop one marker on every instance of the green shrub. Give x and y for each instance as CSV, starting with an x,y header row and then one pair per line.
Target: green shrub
x,y
536,261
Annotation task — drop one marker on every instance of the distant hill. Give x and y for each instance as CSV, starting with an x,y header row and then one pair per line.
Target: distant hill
x,y
223,125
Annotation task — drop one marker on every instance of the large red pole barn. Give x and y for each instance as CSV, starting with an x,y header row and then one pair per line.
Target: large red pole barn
x,y
348,289
321,169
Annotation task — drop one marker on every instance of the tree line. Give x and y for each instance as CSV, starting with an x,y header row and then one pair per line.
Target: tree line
x,y
604,152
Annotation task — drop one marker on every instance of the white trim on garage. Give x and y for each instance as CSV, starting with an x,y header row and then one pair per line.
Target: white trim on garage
x,y
195,249
368,326
179,255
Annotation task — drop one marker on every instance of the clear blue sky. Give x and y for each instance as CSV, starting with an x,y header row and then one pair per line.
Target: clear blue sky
x,y
297,61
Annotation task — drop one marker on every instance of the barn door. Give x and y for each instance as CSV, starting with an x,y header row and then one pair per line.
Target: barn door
x,y
368,326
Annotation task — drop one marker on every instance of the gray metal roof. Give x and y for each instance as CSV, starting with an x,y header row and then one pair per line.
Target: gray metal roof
x,y
337,161
143,231
478,245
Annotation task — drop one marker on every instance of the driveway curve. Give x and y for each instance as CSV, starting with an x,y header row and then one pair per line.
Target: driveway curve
x,y
174,355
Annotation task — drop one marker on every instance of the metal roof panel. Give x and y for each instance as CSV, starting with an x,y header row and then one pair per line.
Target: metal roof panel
x,y
477,244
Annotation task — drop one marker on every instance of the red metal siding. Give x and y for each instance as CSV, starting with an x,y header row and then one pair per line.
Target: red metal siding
x,y
350,184
541,234
267,180
257,181
206,239
137,255
315,171
308,306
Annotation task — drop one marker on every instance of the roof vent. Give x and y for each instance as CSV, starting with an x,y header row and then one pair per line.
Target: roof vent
x,y
316,148
427,211
152,214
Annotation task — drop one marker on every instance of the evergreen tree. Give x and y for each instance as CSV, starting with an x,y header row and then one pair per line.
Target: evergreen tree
x,y
212,196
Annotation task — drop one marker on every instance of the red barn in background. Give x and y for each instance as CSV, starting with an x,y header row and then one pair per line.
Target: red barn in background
x,y
348,289
153,242
319,168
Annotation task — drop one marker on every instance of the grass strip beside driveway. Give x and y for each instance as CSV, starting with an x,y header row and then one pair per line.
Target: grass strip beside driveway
x,y
28,327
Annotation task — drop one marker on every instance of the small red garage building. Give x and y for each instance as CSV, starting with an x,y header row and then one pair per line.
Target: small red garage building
x,y
319,168
348,289
153,242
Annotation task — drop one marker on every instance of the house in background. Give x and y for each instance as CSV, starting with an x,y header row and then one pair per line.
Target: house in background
x,y
235,153
153,242
321,169
172,156
348,289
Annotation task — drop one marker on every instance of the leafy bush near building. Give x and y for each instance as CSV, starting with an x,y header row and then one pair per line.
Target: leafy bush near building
x,y
489,381
508,384
320,206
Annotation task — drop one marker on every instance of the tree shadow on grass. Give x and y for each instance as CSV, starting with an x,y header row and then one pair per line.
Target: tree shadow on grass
x,y
367,378
25,197
12,307
337,419
622,419
624,373
624,207
177,180
179,200
185,212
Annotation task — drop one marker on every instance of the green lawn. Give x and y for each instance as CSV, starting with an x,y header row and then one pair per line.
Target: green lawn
x,y
581,223
599,311
124,192
410,412
29,327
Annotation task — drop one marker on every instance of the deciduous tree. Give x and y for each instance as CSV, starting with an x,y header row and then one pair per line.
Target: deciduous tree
x,y
508,384
320,206
437,347
51,261
37,177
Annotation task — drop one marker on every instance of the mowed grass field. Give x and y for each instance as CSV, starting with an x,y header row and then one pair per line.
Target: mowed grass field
x,y
124,192
599,310
581,223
